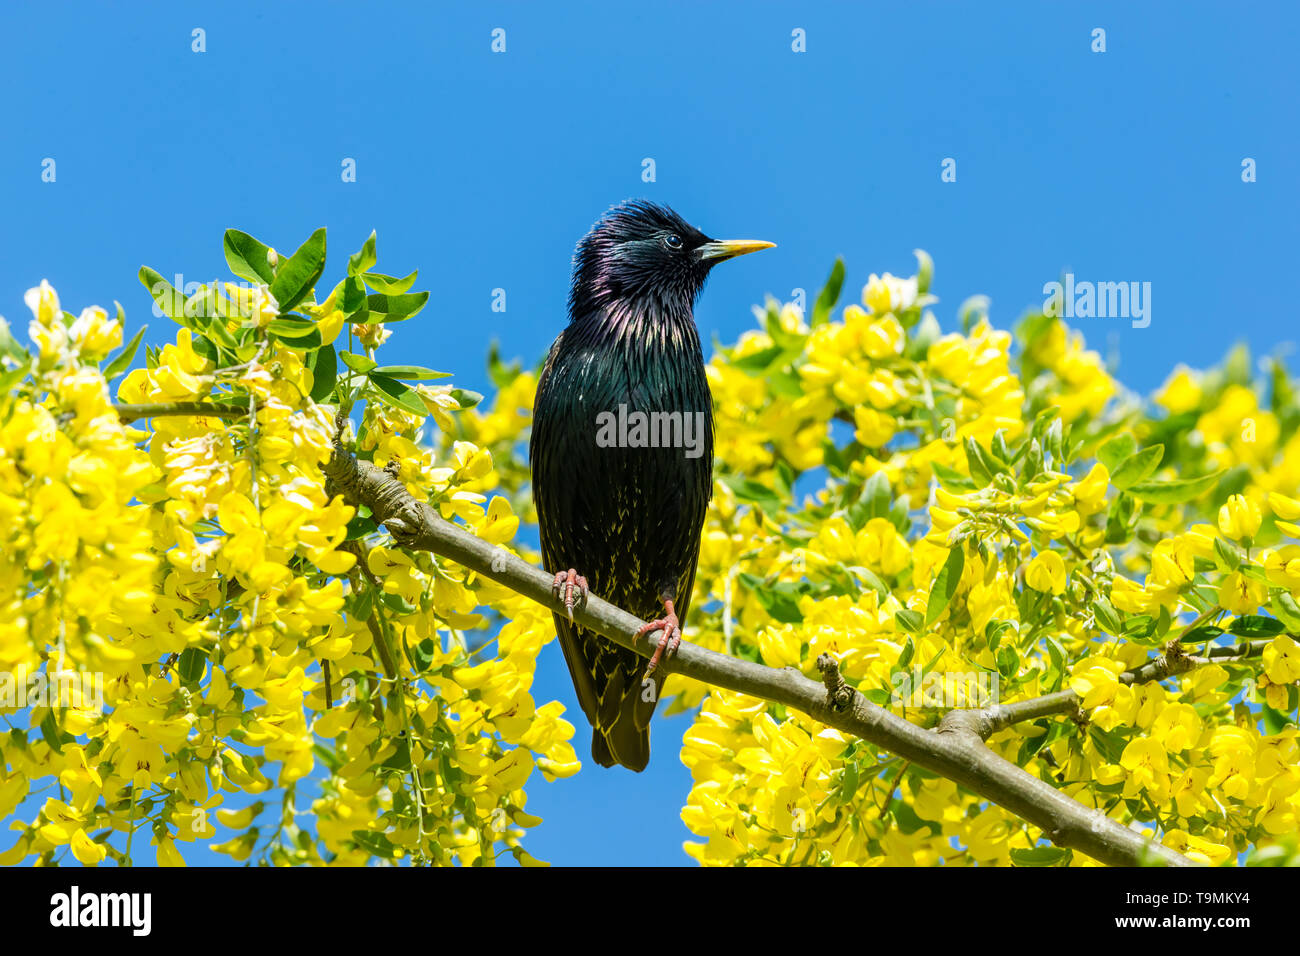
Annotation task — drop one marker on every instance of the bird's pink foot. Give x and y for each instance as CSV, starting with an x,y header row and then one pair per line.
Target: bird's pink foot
x,y
571,587
669,639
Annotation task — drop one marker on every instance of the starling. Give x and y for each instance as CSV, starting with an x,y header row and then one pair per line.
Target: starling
x,y
622,456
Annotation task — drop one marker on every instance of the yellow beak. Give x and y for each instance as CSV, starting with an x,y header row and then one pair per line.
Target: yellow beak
x,y
720,249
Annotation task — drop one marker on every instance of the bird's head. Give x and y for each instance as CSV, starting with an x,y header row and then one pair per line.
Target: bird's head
x,y
644,253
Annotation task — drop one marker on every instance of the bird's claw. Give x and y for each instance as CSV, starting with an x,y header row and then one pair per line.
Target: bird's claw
x,y
670,639
571,587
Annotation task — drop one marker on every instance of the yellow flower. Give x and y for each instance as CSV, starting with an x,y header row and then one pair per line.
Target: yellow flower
x,y
1046,573
95,334
1180,393
874,428
86,850
44,303
1288,509
780,646
1282,660
883,339
882,547
1096,680
1242,594
1178,727
1283,566
329,325
1172,563
888,293
1130,596
1090,492
1148,766
167,854
1239,518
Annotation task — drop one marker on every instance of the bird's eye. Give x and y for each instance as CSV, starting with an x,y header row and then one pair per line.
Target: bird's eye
x,y
673,241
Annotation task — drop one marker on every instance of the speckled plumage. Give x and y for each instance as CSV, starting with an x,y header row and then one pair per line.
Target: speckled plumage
x,y
627,518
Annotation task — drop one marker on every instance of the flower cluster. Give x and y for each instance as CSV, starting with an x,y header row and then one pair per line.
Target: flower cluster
x,y
982,525
197,625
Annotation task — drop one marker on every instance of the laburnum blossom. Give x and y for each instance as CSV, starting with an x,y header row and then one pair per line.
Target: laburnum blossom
x,y
226,652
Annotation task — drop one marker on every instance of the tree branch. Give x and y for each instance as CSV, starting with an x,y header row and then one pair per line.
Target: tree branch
x,y
955,750
1174,661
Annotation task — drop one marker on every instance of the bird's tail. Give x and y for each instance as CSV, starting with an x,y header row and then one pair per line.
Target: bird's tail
x,y
614,693
626,741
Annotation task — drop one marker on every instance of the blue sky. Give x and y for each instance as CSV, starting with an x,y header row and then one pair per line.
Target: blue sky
x,y
483,169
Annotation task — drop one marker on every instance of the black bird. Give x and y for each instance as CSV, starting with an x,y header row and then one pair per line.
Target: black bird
x,y
622,455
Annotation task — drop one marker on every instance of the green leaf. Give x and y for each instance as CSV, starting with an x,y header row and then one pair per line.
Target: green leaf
x,y
975,307
376,844
394,308
909,649
297,275
424,654
52,732
1041,856
292,326
945,584
353,299
848,784
1173,492
983,464
1287,610
909,620
410,373
364,260
757,362
922,337
169,300
778,600
1227,554
296,337
358,363
388,284
192,665
10,346
870,579
1255,625
248,258
1057,654
1008,661
950,479
993,632
120,362
1141,629
466,397
401,758
1109,743
1117,450
1108,617
924,271
12,377
1121,518
829,295
325,372
752,492
1137,467
872,503
398,395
